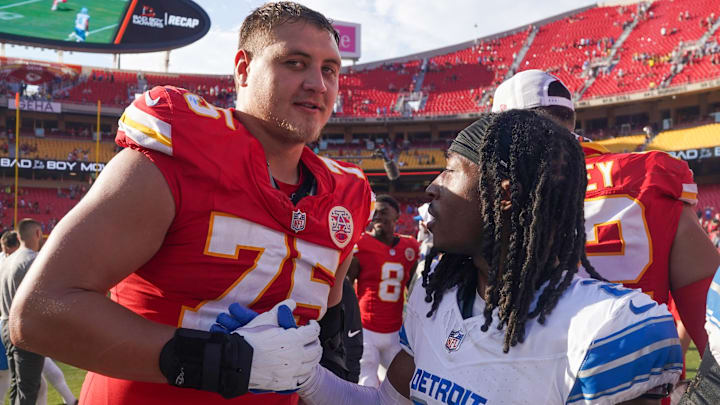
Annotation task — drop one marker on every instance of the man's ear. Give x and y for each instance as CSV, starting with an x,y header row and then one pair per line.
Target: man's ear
x,y
506,202
242,61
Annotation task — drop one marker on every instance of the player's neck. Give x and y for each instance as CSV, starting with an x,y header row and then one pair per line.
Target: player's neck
x,y
284,166
386,238
282,157
482,279
483,268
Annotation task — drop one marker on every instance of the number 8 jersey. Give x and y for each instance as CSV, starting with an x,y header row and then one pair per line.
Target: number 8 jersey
x,y
632,209
384,272
234,238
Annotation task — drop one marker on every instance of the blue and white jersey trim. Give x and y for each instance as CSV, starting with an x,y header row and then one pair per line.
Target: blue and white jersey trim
x,y
404,342
617,362
712,316
713,302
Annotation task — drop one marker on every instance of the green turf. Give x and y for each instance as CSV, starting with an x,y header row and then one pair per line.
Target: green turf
x,y
73,376
692,361
34,18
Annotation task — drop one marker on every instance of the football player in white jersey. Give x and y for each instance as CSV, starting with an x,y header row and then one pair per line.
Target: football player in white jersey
x,y
488,324
82,25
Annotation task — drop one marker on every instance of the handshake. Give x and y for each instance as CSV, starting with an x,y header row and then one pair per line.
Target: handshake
x,y
245,352
285,356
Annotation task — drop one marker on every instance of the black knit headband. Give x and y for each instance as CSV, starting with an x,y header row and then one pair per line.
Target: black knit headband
x,y
467,142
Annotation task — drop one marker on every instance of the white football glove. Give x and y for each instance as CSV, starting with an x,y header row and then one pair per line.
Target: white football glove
x,y
283,359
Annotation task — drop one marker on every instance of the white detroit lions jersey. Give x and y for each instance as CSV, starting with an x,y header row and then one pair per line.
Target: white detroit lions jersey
x,y
81,21
712,317
602,344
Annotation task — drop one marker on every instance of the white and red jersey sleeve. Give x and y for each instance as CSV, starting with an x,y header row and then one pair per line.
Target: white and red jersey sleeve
x,y
384,273
632,208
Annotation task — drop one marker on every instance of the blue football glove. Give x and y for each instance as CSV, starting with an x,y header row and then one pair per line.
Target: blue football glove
x,y
284,355
240,316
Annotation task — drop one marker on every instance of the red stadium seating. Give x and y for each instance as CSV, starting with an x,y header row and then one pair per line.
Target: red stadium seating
x,y
218,90
563,46
374,92
110,87
462,81
709,197
456,82
43,204
645,60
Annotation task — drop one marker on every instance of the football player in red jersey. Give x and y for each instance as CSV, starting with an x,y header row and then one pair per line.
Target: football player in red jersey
x,y
382,265
641,227
207,206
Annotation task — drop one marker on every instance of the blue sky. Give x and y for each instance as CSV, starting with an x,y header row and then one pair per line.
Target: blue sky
x,y
390,28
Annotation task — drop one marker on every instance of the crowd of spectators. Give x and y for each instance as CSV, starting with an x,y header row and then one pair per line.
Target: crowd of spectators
x,y
78,155
710,221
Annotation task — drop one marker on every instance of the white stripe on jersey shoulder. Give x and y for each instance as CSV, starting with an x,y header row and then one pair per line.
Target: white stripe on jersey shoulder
x,y
715,285
690,188
689,193
146,130
337,168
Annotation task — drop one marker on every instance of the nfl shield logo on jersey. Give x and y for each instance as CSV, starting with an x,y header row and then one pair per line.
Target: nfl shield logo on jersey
x,y
298,221
454,340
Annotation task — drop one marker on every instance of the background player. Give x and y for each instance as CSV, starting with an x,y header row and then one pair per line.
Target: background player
x,y
82,25
55,4
641,226
383,263
203,207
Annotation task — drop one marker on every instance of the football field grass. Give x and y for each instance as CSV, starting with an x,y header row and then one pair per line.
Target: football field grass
x,y
75,376
34,18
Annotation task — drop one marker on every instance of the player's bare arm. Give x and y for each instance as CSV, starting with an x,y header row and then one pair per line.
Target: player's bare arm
x,y
693,257
400,372
693,262
336,291
62,309
354,270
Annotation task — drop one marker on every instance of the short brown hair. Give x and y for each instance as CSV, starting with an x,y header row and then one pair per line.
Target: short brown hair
x,y
25,227
10,239
258,26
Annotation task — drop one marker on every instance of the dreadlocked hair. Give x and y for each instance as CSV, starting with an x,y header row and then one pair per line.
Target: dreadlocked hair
x,y
543,231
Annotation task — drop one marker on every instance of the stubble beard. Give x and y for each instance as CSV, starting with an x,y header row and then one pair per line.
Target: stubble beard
x,y
293,133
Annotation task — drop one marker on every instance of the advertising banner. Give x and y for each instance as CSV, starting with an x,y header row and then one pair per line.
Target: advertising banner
x,y
111,26
349,39
58,166
36,105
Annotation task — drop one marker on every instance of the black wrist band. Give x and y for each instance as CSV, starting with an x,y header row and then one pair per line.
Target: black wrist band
x,y
207,361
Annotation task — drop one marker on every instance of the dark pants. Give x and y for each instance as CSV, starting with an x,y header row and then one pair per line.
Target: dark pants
x,y
704,389
25,371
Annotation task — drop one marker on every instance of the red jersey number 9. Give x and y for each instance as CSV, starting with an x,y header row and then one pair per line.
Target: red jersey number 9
x,y
618,245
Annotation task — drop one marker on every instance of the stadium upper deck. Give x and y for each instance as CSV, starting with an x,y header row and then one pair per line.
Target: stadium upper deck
x,y
599,52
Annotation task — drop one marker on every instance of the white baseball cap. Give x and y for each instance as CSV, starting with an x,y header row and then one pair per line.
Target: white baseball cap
x,y
528,89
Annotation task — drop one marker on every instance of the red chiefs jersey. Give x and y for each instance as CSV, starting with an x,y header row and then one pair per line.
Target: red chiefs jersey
x,y
632,209
234,238
384,272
